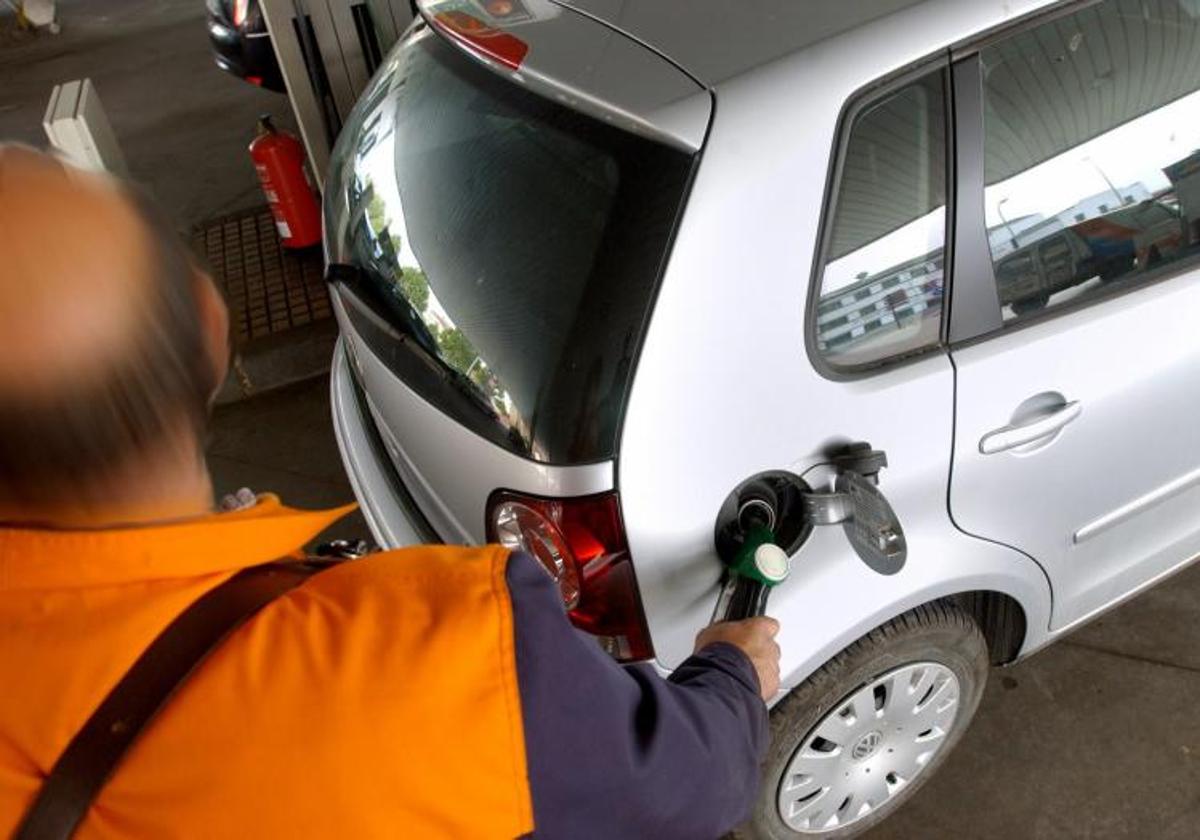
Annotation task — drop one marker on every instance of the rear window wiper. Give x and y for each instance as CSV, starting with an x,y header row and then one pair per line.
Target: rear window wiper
x,y
394,309
465,385
399,317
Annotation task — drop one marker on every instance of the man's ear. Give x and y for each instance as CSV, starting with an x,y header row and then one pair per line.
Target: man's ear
x,y
214,325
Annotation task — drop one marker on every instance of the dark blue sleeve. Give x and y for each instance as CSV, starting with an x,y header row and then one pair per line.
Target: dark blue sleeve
x,y
619,752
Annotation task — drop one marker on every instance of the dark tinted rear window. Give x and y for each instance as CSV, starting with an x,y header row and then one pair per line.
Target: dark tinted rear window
x,y
512,245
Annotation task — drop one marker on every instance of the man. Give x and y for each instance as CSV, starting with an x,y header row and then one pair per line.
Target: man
x,y
430,692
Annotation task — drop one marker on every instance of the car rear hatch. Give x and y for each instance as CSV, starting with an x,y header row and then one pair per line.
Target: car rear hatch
x,y
715,40
498,211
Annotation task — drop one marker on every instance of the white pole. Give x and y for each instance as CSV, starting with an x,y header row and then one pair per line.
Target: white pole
x,y
77,127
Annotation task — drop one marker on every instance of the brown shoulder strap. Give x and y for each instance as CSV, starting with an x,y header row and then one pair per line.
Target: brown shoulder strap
x,y
89,760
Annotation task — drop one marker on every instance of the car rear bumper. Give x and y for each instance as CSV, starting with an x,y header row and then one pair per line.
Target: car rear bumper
x,y
391,512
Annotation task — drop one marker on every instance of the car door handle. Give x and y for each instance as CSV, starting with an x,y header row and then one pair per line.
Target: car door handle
x,y
1010,437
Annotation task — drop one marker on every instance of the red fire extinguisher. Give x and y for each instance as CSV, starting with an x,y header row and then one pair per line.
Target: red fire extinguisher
x,y
279,161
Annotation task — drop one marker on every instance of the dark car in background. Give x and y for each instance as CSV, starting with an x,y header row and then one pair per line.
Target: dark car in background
x,y
241,43
1137,236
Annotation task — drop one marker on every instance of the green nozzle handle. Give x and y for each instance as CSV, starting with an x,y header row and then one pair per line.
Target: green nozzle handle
x,y
760,559
758,567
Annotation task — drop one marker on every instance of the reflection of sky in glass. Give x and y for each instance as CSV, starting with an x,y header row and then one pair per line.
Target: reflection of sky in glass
x,y
915,239
1159,139
1134,152
376,171
377,168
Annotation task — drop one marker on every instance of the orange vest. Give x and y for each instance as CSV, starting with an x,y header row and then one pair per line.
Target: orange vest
x,y
378,699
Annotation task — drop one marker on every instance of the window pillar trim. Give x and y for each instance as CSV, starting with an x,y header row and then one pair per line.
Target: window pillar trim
x,y
974,301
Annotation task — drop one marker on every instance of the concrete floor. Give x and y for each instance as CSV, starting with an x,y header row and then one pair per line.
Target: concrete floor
x,y
183,124
282,442
1096,737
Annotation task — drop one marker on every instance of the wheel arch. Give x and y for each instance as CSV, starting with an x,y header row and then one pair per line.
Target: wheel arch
x,y
1000,618
1006,593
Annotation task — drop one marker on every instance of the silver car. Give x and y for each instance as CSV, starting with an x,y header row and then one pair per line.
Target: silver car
x,y
609,272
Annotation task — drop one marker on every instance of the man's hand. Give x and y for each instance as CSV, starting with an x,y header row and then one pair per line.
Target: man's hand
x,y
755,637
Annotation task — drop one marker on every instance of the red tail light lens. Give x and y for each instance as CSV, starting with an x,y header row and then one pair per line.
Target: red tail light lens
x,y
487,40
581,543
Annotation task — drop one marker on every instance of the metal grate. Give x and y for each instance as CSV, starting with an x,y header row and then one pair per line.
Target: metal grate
x,y
269,289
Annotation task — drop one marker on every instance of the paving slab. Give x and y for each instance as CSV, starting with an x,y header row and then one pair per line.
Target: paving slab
x,y
278,360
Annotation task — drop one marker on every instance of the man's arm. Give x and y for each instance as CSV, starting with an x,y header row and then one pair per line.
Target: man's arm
x,y
618,752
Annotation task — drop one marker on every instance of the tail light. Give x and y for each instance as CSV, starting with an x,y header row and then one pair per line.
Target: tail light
x,y
581,543
478,36
499,8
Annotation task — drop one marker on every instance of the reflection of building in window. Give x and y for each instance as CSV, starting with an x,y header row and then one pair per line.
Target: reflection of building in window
x,y
1006,237
1037,258
1184,176
891,298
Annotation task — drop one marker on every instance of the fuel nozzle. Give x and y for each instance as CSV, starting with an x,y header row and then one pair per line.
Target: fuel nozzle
x,y
767,519
755,567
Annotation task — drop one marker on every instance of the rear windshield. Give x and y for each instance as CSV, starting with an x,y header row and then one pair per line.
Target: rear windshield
x,y
505,248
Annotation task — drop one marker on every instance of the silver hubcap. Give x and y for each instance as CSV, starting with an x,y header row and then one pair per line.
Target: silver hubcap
x,y
872,745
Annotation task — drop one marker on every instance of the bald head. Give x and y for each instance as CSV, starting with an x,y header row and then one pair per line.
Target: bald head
x,y
105,346
76,273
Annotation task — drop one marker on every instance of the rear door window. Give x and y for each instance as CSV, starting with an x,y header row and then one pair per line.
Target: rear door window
x,y
1092,153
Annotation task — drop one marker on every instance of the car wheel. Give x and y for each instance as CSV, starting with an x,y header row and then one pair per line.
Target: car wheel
x,y
1030,304
1117,268
859,737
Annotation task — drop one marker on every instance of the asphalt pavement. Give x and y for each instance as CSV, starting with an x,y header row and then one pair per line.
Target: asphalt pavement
x,y
182,124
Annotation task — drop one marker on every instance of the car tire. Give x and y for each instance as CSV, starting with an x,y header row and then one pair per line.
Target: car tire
x,y
938,637
1030,304
1117,268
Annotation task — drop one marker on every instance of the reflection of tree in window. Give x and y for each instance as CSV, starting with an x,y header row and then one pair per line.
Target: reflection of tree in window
x,y
414,285
377,215
456,350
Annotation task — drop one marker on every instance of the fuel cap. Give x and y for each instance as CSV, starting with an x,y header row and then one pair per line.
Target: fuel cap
x,y
772,562
873,528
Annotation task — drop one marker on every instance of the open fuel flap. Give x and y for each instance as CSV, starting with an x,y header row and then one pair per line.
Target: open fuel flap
x,y
767,519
